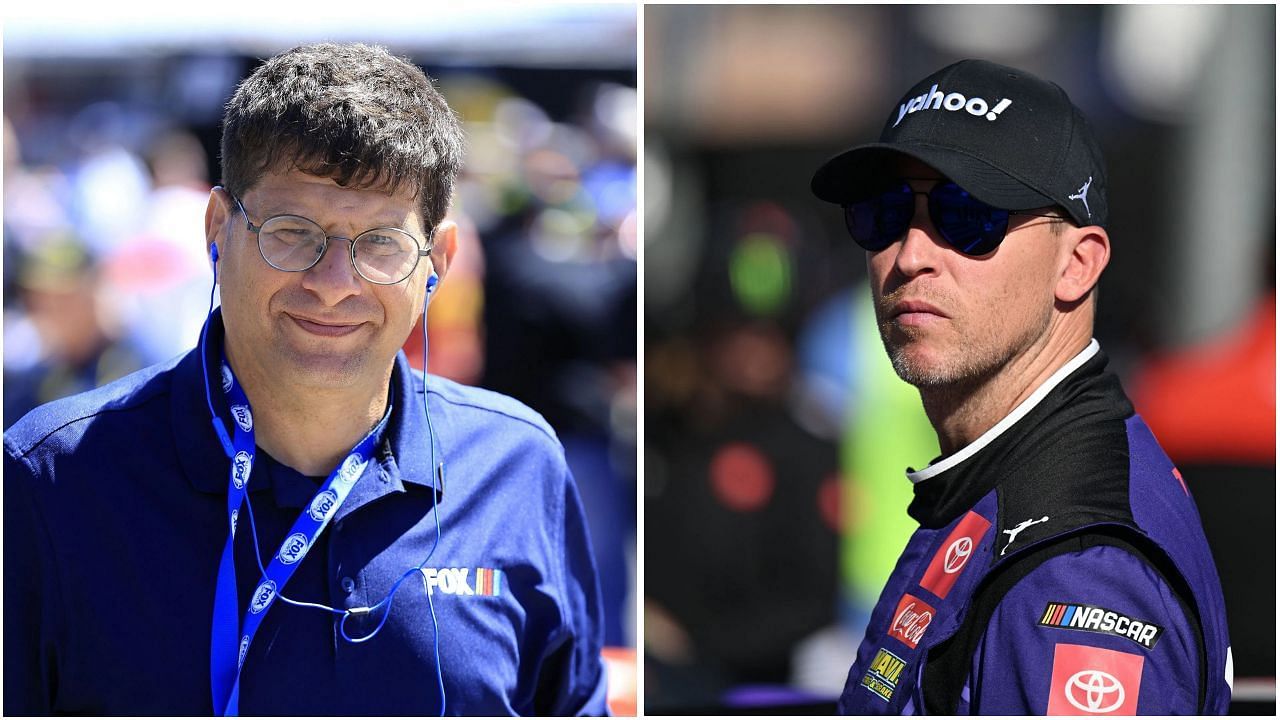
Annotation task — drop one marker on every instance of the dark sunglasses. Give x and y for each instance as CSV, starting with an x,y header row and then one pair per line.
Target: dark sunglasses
x,y
966,223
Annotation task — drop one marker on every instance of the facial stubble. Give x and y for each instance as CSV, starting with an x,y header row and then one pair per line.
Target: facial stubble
x,y
974,354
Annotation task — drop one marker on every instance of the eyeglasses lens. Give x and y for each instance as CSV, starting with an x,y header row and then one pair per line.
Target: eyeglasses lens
x,y
293,244
385,255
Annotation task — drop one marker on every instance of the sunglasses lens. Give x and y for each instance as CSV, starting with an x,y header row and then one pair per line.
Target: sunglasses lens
x,y
877,222
968,224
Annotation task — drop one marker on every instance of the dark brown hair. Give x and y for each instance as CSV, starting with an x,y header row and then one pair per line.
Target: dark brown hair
x,y
351,112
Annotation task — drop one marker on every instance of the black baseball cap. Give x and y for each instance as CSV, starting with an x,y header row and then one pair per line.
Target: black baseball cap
x,y
1010,139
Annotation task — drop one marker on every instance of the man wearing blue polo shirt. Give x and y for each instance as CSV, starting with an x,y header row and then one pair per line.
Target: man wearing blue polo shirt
x,y
282,521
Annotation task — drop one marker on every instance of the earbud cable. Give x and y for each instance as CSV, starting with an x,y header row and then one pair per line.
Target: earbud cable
x,y
436,469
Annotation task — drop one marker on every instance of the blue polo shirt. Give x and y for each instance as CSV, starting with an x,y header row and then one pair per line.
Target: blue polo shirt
x,y
114,523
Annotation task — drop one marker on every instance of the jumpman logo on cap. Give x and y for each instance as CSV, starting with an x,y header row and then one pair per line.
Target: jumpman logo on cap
x,y
1082,196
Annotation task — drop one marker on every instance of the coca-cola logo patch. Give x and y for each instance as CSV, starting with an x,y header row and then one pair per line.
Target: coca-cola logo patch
x,y
911,619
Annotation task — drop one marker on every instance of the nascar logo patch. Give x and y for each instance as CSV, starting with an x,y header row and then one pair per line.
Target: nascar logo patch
x,y
1090,618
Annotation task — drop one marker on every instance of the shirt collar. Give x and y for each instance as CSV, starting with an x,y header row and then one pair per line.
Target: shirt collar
x,y
1087,402
403,457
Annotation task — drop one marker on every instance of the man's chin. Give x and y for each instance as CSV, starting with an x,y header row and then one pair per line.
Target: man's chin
x,y
325,369
916,365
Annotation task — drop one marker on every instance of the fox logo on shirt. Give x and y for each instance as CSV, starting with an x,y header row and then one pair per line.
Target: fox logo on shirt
x,y
456,581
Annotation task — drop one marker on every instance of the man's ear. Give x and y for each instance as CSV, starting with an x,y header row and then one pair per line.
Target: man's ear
x,y
215,220
1088,250
446,244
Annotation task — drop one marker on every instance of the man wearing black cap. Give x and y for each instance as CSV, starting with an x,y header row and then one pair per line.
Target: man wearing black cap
x,y
1060,566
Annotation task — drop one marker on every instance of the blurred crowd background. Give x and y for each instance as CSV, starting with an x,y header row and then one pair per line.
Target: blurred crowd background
x,y
776,434
111,131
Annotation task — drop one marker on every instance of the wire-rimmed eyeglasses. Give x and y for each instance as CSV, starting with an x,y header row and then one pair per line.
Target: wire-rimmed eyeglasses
x,y
292,243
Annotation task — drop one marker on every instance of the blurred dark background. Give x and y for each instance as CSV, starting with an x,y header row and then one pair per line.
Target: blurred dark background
x,y
776,434
111,132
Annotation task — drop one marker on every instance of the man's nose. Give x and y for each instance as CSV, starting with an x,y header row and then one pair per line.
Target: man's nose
x,y
334,277
917,252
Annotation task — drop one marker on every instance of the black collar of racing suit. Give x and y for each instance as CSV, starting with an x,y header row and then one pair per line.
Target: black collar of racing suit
x,y
1053,447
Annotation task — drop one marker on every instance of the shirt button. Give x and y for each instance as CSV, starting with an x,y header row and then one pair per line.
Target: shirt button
x,y
384,476
348,585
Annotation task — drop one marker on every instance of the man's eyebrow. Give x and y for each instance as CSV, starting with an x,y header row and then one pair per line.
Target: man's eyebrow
x,y
270,210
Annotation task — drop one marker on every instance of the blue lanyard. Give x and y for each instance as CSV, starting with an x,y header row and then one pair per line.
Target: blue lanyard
x,y
231,639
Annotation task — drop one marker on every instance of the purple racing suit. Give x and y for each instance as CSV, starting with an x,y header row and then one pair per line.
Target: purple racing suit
x,y
1060,568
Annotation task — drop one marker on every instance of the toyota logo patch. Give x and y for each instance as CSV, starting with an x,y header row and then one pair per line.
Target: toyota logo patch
x,y
957,555
1094,691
